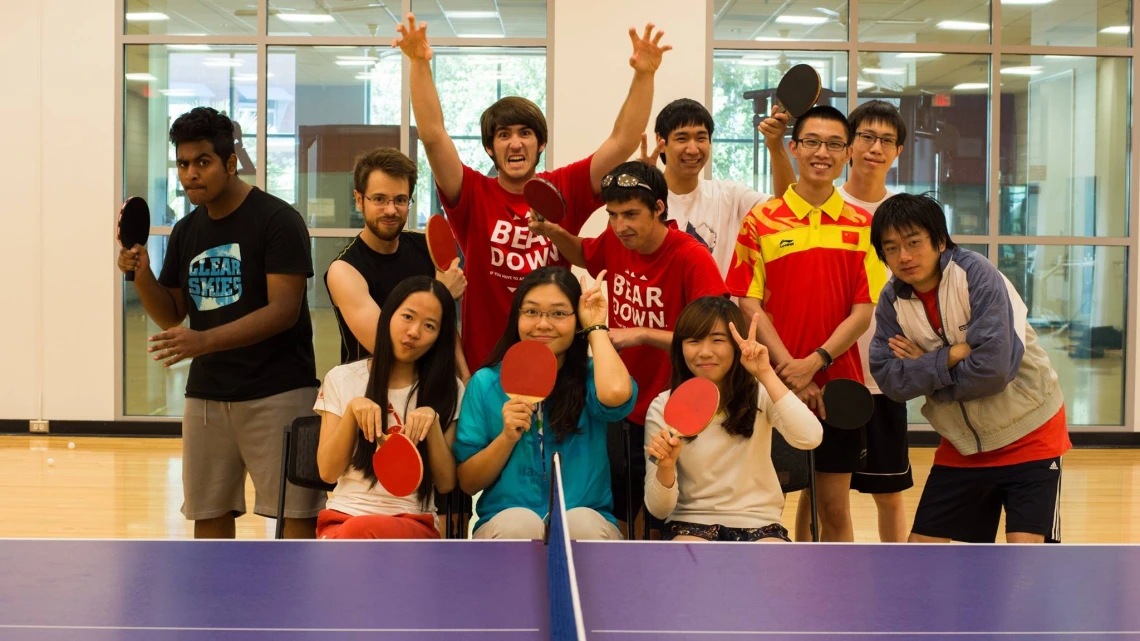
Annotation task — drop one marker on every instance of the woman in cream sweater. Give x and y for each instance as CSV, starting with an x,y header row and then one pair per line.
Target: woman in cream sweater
x,y
720,485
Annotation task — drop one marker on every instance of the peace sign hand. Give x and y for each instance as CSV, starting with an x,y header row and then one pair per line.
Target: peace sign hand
x,y
592,306
650,158
753,355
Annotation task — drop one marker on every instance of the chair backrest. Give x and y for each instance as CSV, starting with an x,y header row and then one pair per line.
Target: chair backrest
x,y
792,466
301,459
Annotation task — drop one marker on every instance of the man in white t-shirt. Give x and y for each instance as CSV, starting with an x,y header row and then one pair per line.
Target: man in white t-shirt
x,y
878,133
711,210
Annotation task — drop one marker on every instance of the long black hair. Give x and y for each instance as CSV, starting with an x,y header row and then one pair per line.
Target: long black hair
x,y
740,395
569,396
435,386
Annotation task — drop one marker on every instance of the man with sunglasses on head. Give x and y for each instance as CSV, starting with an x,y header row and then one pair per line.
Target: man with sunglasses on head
x,y
383,254
654,270
878,133
489,214
804,262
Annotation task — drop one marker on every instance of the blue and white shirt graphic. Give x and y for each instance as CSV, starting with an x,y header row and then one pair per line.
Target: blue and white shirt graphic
x,y
215,277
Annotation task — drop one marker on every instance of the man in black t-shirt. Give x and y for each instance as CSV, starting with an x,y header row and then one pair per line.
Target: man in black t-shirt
x,y
237,266
363,275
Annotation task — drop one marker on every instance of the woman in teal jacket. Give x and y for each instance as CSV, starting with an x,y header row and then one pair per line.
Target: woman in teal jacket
x,y
505,447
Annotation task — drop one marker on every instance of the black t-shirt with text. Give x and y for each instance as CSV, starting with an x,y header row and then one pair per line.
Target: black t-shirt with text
x,y
221,267
382,272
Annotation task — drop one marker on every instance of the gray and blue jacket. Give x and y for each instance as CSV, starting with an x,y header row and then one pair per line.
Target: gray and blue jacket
x,y
1005,389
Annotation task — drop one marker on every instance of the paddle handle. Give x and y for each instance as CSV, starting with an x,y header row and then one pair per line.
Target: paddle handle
x,y
672,433
130,276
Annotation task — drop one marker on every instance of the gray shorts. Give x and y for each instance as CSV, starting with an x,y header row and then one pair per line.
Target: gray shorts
x,y
221,441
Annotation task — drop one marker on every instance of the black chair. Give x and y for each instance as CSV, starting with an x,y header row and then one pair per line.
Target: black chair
x,y
299,462
796,471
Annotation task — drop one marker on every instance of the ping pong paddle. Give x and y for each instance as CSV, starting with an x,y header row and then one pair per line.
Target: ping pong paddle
x,y
398,465
529,371
848,403
134,225
798,90
440,242
690,408
544,200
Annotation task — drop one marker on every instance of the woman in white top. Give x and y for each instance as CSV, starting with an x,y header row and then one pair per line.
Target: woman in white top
x,y
720,485
409,381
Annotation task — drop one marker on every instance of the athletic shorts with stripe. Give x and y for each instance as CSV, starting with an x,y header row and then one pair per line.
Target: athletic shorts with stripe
x,y
965,503
888,455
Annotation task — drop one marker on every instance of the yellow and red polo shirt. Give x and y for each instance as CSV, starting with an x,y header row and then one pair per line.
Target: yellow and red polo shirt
x,y
809,266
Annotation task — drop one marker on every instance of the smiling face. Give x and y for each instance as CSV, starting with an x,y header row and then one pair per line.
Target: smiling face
x,y
874,150
712,356
821,165
687,150
546,315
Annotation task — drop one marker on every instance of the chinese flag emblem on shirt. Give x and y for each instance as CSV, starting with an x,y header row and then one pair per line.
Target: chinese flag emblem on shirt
x,y
851,237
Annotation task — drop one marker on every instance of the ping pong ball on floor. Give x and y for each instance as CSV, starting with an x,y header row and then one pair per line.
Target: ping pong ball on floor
x,y
51,461
71,446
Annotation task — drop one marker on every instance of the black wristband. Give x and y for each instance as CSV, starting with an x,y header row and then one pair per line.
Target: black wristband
x,y
594,327
827,360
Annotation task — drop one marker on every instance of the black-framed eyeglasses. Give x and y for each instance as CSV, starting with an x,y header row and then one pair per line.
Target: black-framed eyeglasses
x,y
811,144
624,180
868,139
401,202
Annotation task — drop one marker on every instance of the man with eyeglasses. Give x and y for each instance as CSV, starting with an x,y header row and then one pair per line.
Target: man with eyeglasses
x,y
711,210
383,254
952,329
804,262
879,133
489,215
654,270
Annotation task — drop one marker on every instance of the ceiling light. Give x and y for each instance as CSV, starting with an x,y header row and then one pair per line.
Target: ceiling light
x,y
177,93
1119,30
471,15
368,58
917,54
804,20
1026,1
355,63
188,47
222,62
962,25
480,35
969,86
146,17
142,77
1022,71
863,84
305,17
885,72
759,62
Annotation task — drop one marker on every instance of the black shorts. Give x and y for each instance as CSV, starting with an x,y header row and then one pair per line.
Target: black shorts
x,y
842,451
965,503
888,456
673,529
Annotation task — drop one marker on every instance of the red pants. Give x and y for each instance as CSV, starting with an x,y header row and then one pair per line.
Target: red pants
x,y
338,525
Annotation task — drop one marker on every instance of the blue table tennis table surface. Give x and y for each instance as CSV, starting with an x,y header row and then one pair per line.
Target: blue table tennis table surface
x,y
425,590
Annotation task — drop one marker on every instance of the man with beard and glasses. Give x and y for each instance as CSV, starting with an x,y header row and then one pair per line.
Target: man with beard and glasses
x,y
383,254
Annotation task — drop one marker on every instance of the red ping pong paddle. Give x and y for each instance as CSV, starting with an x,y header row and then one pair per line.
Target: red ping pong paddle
x,y
798,90
544,200
848,403
529,371
397,464
134,225
690,408
441,243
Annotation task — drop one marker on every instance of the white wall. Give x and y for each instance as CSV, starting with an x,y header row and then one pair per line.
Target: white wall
x,y
57,330
592,73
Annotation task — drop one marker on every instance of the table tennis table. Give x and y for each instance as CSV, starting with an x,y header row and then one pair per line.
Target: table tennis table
x,y
520,590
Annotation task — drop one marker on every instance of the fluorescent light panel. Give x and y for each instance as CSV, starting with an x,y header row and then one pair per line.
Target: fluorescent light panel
x,y
146,17
305,17
471,15
804,20
962,25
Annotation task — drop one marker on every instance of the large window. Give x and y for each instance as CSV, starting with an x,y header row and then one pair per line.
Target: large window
x,y
325,98
1019,118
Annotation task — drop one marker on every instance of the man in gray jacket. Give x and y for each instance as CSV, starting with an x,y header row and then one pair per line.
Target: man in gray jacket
x,y
952,328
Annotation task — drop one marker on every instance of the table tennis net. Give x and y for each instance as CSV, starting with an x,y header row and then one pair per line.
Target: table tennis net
x,y
565,603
